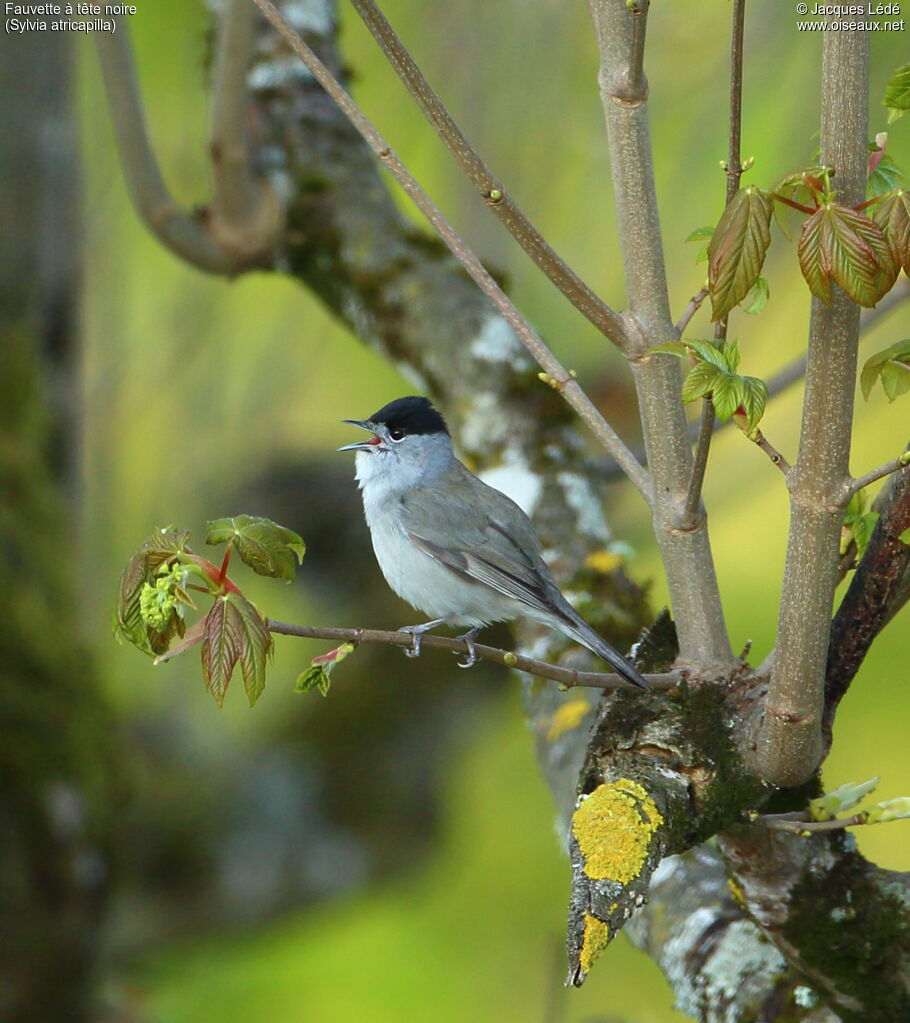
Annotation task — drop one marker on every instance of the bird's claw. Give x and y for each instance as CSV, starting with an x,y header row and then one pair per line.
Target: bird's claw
x,y
471,658
414,649
417,632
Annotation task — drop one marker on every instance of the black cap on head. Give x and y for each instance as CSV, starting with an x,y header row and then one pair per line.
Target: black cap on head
x,y
412,414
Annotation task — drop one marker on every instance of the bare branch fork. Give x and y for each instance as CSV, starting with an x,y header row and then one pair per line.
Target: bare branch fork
x,y
245,216
566,677
565,383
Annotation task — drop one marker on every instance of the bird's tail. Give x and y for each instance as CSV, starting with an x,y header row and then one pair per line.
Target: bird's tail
x,y
579,630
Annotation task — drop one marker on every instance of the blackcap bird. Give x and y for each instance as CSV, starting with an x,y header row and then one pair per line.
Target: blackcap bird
x,y
448,544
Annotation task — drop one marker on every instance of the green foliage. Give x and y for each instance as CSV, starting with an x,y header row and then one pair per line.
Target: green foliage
x,y
884,178
892,215
269,549
841,245
858,524
319,674
701,234
897,93
714,376
757,298
844,797
154,596
891,366
736,252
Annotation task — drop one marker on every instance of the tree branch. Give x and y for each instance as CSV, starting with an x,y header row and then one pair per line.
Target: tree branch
x,y
788,742
776,457
869,603
566,677
691,309
184,235
568,385
702,448
880,472
494,193
684,543
245,215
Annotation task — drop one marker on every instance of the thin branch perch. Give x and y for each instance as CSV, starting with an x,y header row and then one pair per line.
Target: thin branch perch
x,y
564,676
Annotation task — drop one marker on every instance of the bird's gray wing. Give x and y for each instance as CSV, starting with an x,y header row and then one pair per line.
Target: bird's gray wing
x,y
483,536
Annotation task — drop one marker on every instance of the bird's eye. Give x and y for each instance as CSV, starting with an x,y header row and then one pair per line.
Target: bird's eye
x,y
397,433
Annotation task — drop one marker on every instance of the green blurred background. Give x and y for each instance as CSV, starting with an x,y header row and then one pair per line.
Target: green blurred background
x,y
262,880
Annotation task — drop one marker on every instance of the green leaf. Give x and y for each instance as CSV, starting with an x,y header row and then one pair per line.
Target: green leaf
x,y
728,394
905,537
266,547
699,381
754,401
886,177
314,677
678,348
737,249
757,298
897,93
838,244
892,365
708,351
141,571
892,215
319,674
235,631
844,797
701,234
889,810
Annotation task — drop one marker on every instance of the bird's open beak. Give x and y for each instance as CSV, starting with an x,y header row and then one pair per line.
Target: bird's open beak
x,y
363,445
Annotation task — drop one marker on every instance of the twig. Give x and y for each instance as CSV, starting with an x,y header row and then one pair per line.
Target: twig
x,y
181,233
776,457
877,474
703,446
691,309
802,824
565,676
734,173
568,386
494,193
244,212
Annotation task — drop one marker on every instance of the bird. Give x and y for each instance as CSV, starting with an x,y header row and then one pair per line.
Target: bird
x,y
449,544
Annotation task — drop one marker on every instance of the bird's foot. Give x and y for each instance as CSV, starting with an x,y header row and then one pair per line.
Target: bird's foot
x,y
417,632
468,638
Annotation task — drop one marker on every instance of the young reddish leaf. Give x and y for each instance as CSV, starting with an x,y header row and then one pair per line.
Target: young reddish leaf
x,y
757,298
141,570
737,249
319,674
892,365
266,547
838,244
234,631
897,93
892,215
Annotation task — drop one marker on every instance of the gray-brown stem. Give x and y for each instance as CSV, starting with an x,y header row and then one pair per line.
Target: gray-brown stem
x,y
789,742
683,540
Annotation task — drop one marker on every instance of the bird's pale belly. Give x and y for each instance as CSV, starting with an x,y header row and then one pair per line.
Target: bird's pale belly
x,y
431,587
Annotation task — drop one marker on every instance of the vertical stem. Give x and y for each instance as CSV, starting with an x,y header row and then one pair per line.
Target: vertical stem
x,y
789,738
684,546
734,173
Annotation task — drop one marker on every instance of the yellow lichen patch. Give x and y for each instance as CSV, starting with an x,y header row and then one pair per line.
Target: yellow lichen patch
x,y
570,715
603,561
613,828
595,939
739,896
